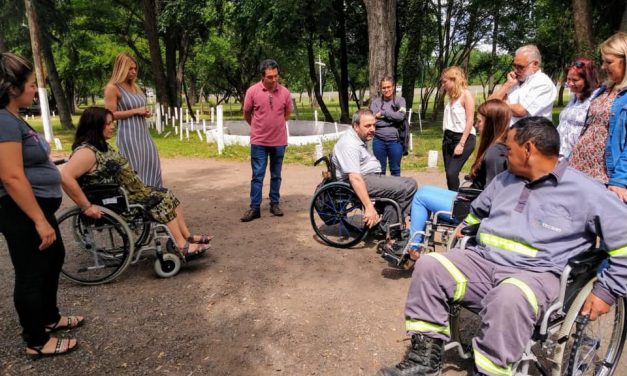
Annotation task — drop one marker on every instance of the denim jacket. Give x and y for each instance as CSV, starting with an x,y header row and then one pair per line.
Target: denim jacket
x,y
616,147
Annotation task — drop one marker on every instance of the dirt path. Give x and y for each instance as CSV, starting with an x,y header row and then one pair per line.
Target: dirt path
x,y
268,299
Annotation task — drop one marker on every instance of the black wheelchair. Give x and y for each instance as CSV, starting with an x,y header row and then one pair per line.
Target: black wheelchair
x,y
99,250
564,343
439,232
336,213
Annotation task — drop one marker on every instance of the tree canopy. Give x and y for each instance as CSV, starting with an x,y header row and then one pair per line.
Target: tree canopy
x,y
210,49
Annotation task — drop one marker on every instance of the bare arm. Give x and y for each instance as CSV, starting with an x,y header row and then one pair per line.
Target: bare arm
x,y
359,186
81,162
111,96
287,115
248,115
518,110
19,188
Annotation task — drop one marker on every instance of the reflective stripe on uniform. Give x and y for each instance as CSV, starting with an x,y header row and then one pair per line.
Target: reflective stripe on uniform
x,y
457,275
424,327
507,244
618,252
483,363
529,294
471,219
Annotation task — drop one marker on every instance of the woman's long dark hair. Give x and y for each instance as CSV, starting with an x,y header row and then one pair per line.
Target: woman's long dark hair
x,y
90,128
14,72
497,116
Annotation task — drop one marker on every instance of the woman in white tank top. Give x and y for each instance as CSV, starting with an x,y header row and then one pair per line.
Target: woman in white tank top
x,y
459,134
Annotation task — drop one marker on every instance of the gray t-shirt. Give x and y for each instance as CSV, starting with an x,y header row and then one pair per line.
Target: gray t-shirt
x,y
42,174
350,155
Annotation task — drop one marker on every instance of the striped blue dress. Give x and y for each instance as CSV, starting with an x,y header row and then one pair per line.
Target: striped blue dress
x,y
134,141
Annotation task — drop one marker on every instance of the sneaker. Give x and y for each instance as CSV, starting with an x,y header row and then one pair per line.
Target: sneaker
x,y
424,358
276,210
250,215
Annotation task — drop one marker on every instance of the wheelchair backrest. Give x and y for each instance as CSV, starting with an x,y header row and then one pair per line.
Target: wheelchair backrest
x,y
328,176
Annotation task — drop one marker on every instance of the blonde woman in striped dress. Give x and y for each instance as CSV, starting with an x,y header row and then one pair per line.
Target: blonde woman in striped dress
x,y
128,103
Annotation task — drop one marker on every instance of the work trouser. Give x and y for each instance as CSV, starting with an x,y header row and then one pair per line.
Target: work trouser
x,y
397,188
509,302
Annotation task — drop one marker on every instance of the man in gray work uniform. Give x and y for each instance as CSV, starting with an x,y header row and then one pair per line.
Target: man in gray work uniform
x,y
354,163
533,218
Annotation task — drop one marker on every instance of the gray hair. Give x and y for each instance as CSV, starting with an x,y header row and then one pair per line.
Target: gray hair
x,y
359,114
531,51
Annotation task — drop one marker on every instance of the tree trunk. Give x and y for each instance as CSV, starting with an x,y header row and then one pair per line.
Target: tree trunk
x,y
171,47
314,80
65,115
411,63
494,56
583,27
381,40
156,62
342,85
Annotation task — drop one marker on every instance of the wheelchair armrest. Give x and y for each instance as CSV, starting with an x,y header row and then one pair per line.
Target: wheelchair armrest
x,y
471,230
587,261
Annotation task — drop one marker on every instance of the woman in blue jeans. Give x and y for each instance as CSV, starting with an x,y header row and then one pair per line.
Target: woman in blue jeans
x,y
493,119
389,111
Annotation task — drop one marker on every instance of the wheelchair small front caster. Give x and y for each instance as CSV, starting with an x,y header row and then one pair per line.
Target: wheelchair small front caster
x,y
168,265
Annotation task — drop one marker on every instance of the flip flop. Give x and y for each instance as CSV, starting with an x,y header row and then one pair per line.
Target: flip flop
x,y
62,347
204,239
71,322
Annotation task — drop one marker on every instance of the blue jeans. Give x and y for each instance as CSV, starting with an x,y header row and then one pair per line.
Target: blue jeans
x,y
429,199
258,161
392,150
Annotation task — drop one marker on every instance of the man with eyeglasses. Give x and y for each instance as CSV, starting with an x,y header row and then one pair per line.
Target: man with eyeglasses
x,y
528,91
267,107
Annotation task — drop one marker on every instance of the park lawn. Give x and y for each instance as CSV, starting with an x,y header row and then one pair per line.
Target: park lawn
x,y
170,146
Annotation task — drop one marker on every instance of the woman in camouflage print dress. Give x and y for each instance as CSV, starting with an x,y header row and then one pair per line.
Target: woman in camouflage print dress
x,y
94,161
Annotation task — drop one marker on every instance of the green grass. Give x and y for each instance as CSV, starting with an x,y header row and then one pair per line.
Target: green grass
x,y
171,146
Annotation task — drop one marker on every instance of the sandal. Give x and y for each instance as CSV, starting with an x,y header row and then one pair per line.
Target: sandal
x,y
63,346
71,322
190,255
202,239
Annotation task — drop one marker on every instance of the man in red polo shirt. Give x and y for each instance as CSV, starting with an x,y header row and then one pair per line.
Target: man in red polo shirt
x,y
267,107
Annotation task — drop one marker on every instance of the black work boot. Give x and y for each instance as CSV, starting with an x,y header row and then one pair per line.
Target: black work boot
x,y
424,358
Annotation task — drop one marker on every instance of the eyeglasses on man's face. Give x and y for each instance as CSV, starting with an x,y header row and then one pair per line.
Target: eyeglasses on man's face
x,y
520,67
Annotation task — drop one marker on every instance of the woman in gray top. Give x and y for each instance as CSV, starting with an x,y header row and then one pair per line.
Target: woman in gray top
x,y
30,193
125,99
389,111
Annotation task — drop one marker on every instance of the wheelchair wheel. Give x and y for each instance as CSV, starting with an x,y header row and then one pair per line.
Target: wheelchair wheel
x,y
169,267
594,348
336,215
97,250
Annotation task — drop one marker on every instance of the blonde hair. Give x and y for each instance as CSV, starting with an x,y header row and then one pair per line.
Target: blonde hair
x,y
616,45
455,74
120,70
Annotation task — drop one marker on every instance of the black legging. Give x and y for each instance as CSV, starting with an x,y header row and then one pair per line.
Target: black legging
x,y
453,163
36,272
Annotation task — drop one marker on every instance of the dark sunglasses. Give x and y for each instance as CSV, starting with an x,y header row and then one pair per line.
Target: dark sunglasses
x,y
578,64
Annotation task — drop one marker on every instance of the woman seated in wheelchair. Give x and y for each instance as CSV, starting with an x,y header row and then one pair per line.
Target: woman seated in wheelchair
x,y
94,161
493,118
